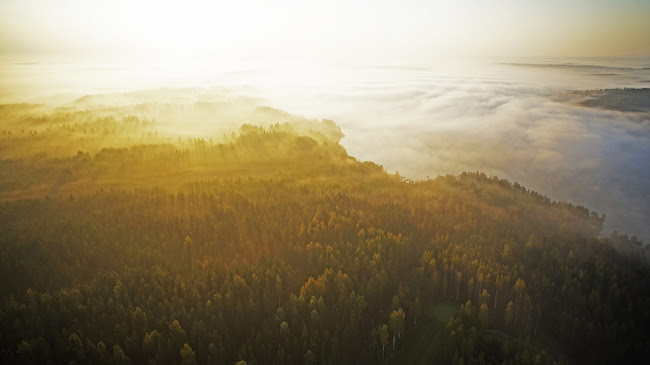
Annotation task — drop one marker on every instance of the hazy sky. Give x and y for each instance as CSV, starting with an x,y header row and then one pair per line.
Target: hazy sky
x,y
355,31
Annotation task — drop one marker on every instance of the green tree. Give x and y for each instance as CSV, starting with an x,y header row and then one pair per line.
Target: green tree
x,y
396,321
118,356
309,358
383,338
483,316
417,310
278,288
188,357
508,316
103,356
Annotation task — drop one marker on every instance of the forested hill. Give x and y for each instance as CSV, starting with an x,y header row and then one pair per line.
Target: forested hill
x,y
273,245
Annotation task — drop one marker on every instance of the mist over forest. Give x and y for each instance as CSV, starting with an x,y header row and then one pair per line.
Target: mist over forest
x,y
388,182
574,129
206,224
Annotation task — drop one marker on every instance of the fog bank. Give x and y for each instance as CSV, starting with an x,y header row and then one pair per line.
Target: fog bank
x,y
510,118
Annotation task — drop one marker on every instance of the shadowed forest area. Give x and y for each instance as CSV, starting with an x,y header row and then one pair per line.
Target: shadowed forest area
x,y
120,243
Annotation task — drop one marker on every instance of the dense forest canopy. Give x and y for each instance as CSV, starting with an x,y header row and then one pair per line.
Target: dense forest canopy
x,y
270,244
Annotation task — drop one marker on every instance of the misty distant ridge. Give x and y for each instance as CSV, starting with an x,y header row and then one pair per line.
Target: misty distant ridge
x,y
574,66
168,95
624,100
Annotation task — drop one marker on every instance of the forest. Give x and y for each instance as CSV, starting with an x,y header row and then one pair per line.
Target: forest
x,y
270,244
623,100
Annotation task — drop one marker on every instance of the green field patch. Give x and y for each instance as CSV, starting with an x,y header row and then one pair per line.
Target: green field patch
x,y
422,345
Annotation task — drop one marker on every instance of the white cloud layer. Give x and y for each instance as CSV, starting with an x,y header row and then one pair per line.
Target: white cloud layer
x,y
501,119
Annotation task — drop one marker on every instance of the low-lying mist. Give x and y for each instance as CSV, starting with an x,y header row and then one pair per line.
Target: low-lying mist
x,y
531,122
512,120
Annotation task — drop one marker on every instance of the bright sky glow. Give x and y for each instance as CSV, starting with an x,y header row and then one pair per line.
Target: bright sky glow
x,y
352,31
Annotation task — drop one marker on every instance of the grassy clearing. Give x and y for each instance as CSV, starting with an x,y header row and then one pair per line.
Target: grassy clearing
x,y
422,346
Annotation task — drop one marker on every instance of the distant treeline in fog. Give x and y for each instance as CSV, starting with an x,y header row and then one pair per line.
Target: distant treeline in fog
x,y
624,100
